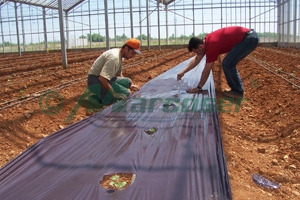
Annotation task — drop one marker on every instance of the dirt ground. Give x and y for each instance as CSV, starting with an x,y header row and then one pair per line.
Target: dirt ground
x,y
259,137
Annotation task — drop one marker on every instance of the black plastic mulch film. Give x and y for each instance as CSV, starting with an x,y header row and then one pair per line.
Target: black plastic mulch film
x,y
170,139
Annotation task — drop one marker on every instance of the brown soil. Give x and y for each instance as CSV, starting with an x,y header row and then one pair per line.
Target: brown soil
x,y
261,136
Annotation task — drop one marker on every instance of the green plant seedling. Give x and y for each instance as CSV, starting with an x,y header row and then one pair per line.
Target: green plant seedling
x,y
151,131
293,73
116,182
23,93
115,177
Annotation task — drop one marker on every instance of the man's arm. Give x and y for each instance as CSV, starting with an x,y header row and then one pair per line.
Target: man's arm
x,y
120,74
192,64
105,83
205,74
203,79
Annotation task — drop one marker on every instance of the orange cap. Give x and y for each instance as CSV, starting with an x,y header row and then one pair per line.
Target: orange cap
x,y
134,44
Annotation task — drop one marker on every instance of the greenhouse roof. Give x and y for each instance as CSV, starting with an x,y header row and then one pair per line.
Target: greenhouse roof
x,y
53,4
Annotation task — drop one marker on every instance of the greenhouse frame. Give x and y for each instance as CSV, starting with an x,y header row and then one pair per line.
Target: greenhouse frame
x,y
36,25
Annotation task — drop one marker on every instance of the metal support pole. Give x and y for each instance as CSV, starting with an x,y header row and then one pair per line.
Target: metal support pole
x,y
288,22
250,14
140,20
175,27
278,21
221,14
17,28
23,32
106,24
45,30
90,23
62,35
158,25
194,18
2,35
148,29
115,29
294,20
131,19
167,30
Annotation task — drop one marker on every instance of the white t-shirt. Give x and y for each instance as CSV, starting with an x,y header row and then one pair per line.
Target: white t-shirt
x,y
108,64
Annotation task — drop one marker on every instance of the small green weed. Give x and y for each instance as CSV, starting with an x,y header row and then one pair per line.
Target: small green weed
x,y
23,93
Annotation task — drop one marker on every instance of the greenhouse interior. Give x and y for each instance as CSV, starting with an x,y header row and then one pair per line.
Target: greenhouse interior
x,y
174,135
47,25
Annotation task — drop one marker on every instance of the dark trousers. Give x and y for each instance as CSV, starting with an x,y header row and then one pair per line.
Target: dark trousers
x,y
100,95
237,53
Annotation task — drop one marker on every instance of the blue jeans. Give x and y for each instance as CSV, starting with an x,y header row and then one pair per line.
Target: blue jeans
x,y
235,55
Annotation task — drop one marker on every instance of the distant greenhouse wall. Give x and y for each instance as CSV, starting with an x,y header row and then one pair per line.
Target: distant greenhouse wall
x,y
35,24
289,23
108,23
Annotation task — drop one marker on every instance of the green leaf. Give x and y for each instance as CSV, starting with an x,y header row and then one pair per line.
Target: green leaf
x,y
115,177
121,184
152,130
111,183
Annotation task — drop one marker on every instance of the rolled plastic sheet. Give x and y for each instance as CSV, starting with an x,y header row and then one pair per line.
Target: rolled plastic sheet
x,y
181,158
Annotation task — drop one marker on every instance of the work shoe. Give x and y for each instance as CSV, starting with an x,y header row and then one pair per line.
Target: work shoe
x,y
233,94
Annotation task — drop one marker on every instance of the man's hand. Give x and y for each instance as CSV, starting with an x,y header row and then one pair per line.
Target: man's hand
x,y
194,90
197,91
134,88
180,75
120,96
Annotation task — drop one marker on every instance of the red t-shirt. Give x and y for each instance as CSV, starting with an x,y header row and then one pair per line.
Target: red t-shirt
x,y
222,41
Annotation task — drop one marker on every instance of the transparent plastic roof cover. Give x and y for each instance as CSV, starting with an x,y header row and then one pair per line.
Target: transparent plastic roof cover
x,y
182,158
66,4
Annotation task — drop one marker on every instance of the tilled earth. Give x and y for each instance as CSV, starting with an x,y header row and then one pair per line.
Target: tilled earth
x,y
260,136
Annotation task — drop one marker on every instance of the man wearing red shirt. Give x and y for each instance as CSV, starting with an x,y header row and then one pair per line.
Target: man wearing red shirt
x,y
237,41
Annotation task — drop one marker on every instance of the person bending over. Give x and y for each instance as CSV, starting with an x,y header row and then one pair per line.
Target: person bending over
x,y
237,41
